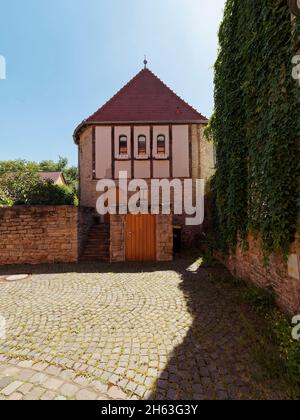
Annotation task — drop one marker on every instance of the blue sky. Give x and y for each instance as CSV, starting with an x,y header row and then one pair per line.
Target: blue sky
x,y
65,58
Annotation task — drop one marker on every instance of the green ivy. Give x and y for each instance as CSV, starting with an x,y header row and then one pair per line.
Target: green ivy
x,y
256,125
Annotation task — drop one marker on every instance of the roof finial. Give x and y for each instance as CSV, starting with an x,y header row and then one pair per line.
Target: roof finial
x,y
145,62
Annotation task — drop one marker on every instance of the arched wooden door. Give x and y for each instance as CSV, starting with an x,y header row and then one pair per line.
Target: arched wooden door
x,y
140,237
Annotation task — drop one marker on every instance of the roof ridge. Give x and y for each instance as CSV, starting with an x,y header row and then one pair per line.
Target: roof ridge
x,y
128,84
174,93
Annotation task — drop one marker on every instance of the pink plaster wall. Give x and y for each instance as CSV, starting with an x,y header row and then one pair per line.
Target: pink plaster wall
x,y
142,169
161,169
181,151
122,166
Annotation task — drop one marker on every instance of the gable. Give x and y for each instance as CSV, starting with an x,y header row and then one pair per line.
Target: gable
x,y
146,98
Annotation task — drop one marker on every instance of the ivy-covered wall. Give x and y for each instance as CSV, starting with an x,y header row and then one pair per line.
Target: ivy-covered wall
x,y
256,125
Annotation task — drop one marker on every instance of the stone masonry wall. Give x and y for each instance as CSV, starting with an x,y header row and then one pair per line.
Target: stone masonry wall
x,y
250,266
117,238
164,238
38,234
203,163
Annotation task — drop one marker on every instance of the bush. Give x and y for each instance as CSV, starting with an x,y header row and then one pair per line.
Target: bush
x,y
46,193
4,199
21,165
289,349
28,189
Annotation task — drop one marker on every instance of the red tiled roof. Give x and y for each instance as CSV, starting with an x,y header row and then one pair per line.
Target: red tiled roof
x,y
146,98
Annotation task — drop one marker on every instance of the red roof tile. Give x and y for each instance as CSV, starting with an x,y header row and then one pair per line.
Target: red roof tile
x,y
146,98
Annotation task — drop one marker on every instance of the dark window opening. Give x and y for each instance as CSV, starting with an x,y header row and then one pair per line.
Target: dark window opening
x,y
161,144
123,149
142,145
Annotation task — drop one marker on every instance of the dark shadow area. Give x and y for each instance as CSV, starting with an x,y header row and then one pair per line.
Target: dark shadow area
x,y
86,268
215,359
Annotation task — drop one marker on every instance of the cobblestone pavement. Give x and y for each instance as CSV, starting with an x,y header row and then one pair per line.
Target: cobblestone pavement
x,y
164,331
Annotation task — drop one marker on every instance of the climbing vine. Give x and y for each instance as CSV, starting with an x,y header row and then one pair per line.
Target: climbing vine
x,y
256,125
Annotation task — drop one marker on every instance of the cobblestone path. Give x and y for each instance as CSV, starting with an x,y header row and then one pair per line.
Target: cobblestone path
x,y
161,331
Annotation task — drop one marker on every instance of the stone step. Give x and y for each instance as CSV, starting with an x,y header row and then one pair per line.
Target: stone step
x,y
97,240
95,253
97,245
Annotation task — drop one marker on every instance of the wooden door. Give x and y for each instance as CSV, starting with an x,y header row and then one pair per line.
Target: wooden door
x,y
140,237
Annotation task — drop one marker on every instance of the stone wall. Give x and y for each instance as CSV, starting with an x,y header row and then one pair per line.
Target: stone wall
x,y
117,238
164,238
38,234
203,160
250,266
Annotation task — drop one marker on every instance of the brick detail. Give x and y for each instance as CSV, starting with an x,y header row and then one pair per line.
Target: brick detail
x,y
117,238
164,237
250,266
38,234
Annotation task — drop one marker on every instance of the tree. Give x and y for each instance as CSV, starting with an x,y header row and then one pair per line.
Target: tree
x,y
25,188
21,165
18,165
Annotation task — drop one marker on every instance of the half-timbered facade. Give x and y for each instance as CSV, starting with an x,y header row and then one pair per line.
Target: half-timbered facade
x,y
147,131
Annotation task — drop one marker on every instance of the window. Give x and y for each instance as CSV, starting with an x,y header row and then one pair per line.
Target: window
x,y
123,149
161,144
142,145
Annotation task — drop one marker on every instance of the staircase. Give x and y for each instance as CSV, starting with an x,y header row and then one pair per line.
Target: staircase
x,y
97,245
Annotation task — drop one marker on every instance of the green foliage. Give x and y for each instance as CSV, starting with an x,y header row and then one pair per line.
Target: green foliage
x,y
18,165
4,199
262,300
285,360
17,186
274,349
46,193
51,166
70,173
256,125
289,349
25,188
